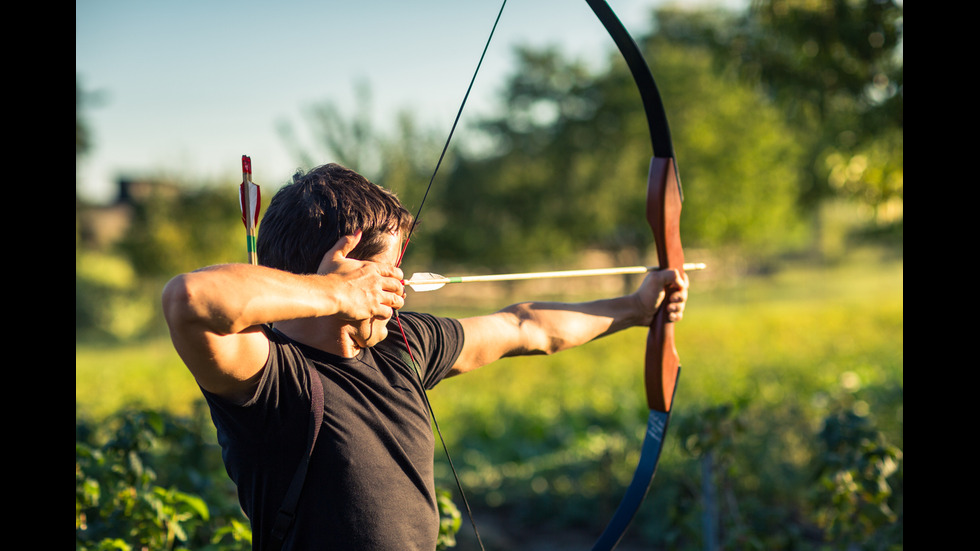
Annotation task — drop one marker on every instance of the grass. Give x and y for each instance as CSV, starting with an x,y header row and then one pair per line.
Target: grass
x,y
148,374
803,329
803,336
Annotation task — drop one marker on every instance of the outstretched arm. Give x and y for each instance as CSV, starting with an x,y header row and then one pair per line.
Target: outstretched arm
x,y
214,313
549,327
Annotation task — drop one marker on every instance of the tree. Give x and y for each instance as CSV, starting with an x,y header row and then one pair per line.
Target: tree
x,y
568,158
836,68
401,158
572,150
83,140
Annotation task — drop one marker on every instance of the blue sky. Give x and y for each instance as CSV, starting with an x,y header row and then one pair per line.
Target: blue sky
x,y
187,87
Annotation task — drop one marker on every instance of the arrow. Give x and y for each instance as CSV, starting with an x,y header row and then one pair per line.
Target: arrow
x,y
251,201
427,281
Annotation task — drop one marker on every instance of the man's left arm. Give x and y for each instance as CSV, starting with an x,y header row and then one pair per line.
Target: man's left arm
x,y
532,328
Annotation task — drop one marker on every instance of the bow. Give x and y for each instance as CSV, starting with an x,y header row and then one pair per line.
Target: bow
x,y
664,198
663,211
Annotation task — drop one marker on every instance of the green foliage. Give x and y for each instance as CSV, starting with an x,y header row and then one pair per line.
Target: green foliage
x,y
177,230
848,502
449,520
143,480
562,168
551,442
739,172
570,159
873,173
83,138
857,471
171,230
836,68
402,161
110,300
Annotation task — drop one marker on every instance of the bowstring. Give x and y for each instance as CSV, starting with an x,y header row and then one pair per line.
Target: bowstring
x,y
408,238
452,130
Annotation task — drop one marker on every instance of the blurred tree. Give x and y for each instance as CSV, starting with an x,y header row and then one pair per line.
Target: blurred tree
x,y
571,154
401,155
169,228
176,229
518,203
567,160
858,472
84,99
836,67
83,140
351,142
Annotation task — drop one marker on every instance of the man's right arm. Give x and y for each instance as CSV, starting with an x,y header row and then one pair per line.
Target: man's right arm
x,y
214,314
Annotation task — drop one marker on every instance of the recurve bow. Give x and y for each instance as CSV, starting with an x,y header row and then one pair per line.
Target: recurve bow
x,y
664,198
663,208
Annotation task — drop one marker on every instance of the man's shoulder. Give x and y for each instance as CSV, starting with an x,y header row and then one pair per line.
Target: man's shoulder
x,y
423,321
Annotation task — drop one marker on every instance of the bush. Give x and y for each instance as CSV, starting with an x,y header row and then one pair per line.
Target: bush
x,y
145,480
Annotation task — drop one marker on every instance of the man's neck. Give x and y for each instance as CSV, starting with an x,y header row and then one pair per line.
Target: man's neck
x,y
327,334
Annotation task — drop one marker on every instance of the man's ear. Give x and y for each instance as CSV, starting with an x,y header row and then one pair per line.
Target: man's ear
x,y
340,250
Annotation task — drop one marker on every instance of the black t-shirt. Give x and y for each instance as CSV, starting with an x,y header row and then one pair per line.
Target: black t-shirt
x,y
370,482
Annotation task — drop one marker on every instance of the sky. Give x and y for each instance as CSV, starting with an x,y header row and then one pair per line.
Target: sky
x,y
186,87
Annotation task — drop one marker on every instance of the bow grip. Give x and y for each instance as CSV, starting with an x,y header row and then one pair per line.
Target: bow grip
x,y
664,215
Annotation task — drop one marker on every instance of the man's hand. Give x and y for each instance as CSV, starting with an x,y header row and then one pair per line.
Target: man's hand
x,y
663,285
366,289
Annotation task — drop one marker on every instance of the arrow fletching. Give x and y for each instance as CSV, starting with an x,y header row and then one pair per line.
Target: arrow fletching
x,y
250,195
250,198
428,281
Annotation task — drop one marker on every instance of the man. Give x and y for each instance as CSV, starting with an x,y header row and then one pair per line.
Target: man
x,y
320,307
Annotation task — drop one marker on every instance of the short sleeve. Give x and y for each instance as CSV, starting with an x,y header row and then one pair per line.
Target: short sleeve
x,y
281,395
436,343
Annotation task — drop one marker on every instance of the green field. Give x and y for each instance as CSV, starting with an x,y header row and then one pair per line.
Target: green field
x,y
541,441
801,330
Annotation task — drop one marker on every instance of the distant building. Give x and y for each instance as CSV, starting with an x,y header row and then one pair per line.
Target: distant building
x,y
101,226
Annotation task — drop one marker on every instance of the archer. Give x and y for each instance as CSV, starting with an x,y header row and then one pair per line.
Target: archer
x,y
318,310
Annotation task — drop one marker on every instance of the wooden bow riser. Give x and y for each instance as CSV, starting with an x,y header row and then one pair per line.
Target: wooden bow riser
x,y
664,215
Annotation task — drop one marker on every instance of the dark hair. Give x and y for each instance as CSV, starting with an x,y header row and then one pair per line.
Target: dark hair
x,y
306,218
